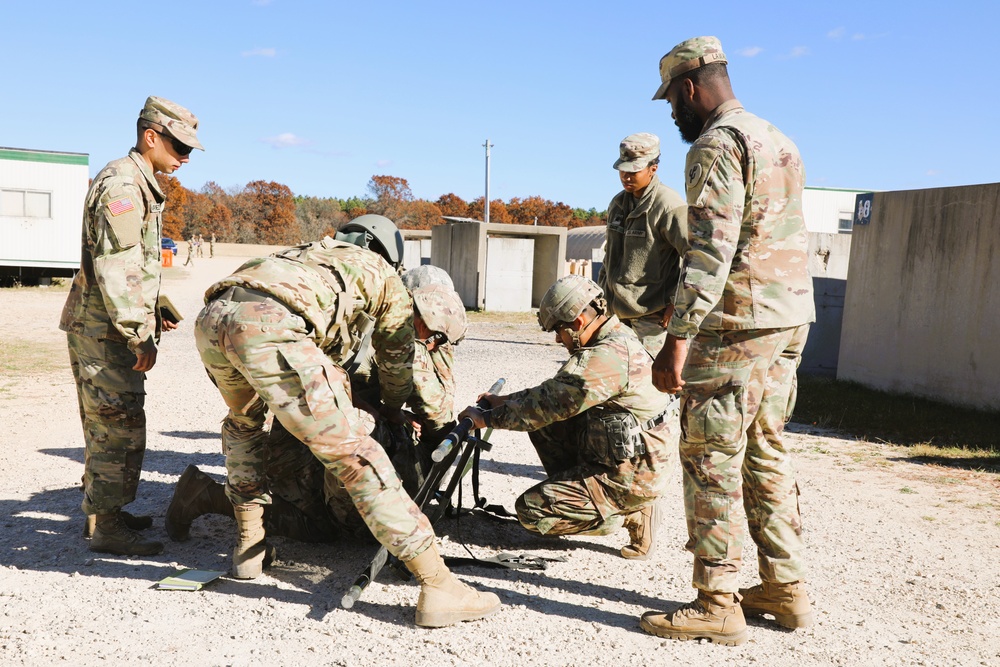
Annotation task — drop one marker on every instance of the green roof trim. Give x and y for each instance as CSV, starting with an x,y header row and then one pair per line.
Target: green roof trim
x,y
44,156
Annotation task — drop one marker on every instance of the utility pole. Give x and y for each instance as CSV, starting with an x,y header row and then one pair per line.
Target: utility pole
x,y
486,205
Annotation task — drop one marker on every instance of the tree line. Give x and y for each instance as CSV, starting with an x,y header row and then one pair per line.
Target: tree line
x,y
270,213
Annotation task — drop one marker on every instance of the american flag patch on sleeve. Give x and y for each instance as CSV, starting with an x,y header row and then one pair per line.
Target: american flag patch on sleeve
x,y
119,206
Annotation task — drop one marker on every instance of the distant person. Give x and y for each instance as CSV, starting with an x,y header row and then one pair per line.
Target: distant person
x,y
199,243
191,251
735,340
646,237
274,336
606,437
211,246
112,323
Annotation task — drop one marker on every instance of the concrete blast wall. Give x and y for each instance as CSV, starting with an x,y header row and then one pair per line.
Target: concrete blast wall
x,y
922,310
829,255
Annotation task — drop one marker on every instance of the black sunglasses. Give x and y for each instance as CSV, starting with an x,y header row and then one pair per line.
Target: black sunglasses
x,y
180,148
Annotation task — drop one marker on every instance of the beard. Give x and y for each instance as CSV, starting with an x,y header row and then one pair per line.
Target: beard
x,y
687,121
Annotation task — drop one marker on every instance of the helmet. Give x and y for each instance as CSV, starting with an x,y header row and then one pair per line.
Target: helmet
x,y
566,299
377,233
426,274
442,311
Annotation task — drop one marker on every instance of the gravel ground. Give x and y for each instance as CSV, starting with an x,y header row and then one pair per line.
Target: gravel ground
x,y
904,557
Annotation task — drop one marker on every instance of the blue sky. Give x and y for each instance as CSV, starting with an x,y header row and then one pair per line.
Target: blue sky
x,y
323,95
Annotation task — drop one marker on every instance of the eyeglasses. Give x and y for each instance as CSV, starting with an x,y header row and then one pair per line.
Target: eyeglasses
x,y
180,148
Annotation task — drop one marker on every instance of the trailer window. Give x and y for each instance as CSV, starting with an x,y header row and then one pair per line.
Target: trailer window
x,y
25,203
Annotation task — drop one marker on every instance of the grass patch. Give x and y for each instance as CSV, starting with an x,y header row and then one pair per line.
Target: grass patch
x,y
57,285
21,357
931,430
906,489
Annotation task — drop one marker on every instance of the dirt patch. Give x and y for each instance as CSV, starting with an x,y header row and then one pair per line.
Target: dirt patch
x,y
902,555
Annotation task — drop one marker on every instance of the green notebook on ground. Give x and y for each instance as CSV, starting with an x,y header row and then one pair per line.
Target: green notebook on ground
x,y
188,580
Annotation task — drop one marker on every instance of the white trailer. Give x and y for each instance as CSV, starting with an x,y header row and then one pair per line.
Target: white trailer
x,y
41,206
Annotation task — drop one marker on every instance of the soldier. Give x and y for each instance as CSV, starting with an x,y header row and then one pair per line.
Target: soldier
x,y
604,434
740,320
307,503
112,323
647,234
274,336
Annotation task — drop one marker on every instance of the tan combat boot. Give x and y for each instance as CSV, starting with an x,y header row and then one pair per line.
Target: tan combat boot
x,y
788,603
444,600
195,494
131,521
713,616
112,536
250,550
642,526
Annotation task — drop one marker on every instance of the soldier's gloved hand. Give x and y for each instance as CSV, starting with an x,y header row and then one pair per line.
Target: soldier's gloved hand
x,y
475,414
392,415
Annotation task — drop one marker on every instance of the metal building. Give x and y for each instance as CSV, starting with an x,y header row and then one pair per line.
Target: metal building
x,y
41,203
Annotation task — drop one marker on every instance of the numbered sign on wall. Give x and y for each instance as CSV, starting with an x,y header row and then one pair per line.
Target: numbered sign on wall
x,y
863,208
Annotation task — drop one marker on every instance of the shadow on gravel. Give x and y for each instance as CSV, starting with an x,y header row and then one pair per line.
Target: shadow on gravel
x,y
192,435
509,342
978,464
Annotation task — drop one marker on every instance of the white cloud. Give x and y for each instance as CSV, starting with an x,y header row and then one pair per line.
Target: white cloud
x,y
750,51
933,172
836,33
859,36
381,164
285,140
798,52
266,53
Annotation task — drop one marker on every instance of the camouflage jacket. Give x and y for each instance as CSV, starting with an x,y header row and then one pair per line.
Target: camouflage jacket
x,y
613,372
747,266
339,289
114,294
433,398
646,239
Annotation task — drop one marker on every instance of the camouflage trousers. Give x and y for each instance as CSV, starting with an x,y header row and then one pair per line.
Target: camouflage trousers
x,y
590,498
260,357
650,332
739,393
111,398
294,474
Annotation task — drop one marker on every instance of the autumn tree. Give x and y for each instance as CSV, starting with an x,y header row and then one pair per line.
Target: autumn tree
x,y
268,209
421,214
318,217
498,211
173,212
392,195
453,205
527,211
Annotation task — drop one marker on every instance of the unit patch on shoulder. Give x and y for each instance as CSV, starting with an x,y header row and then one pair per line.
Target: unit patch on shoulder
x,y
119,206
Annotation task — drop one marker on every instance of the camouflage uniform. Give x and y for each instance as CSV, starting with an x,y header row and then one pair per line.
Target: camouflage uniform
x,y
300,480
590,488
646,238
274,336
109,316
746,302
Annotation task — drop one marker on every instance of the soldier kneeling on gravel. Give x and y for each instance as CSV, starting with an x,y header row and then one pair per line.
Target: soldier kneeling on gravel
x,y
604,434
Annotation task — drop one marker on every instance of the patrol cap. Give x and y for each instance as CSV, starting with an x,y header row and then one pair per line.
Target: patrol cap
x,y
636,151
686,56
442,311
177,121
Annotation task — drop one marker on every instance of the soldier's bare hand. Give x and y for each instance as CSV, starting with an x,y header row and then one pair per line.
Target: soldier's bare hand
x,y
668,312
493,399
145,361
669,365
475,414
167,325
